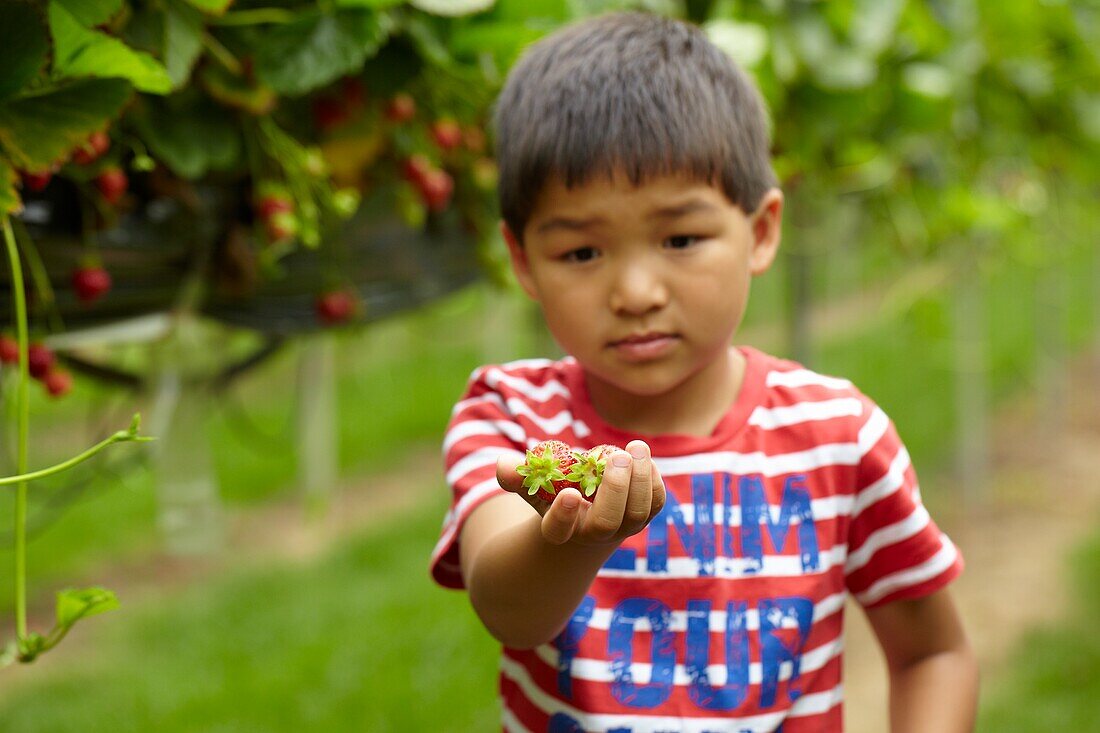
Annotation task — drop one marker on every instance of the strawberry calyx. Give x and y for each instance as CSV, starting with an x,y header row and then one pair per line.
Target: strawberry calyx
x,y
587,472
540,472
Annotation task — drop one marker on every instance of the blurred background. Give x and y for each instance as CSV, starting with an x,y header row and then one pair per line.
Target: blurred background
x,y
269,226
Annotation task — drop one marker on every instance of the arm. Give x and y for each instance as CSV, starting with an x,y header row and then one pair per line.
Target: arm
x,y
526,570
933,671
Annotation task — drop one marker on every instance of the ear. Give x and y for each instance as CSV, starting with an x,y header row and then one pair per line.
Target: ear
x,y
518,257
766,223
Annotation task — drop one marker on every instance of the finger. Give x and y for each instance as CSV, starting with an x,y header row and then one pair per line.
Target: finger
x,y
640,498
657,502
507,477
560,520
606,515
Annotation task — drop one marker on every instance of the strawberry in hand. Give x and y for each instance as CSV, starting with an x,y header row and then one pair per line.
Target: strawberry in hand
x,y
587,472
552,466
544,472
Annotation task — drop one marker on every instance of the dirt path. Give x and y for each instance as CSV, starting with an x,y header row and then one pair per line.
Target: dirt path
x,y
1042,502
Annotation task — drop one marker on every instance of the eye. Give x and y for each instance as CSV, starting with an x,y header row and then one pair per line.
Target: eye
x,y
581,254
681,241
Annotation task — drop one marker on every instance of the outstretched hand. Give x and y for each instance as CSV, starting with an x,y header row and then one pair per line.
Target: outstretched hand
x,y
631,495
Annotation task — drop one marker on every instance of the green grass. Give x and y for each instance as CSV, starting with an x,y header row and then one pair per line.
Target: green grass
x,y
1054,678
359,640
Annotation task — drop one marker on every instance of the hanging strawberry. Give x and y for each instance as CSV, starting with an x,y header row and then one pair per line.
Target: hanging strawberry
x,y
91,283
112,184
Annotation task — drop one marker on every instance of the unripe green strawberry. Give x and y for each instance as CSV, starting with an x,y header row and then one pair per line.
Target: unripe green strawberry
x,y
545,469
587,472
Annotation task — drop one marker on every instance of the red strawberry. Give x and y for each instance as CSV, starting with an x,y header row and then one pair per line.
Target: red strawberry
x,y
9,350
58,382
588,470
37,181
40,360
272,204
401,108
335,307
329,113
416,167
436,188
96,145
446,133
112,184
544,473
91,283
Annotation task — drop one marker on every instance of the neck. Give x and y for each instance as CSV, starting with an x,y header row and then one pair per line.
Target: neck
x,y
693,407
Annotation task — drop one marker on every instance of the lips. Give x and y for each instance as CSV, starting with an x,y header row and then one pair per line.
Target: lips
x,y
642,338
645,347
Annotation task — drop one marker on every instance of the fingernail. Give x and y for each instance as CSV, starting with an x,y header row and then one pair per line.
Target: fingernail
x,y
622,460
639,451
569,501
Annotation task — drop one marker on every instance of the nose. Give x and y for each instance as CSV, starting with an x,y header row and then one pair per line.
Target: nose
x,y
638,288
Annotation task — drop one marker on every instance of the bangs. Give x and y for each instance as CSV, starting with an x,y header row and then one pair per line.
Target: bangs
x,y
639,95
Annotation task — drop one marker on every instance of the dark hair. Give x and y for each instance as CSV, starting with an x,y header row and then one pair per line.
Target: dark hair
x,y
639,93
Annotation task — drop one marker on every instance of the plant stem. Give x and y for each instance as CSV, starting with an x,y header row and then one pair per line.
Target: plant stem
x,y
222,55
256,16
23,412
119,437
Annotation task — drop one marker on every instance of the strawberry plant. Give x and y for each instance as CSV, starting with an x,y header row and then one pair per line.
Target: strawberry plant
x,y
72,604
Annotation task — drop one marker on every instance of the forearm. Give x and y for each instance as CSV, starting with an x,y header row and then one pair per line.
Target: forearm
x,y
524,589
938,693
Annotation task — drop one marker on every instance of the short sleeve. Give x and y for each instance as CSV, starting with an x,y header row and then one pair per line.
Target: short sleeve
x,y
895,550
480,429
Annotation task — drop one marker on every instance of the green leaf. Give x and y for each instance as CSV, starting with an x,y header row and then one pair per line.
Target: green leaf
x,y
9,197
91,12
183,29
373,4
745,43
73,604
211,7
38,130
318,48
427,41
82,52
452,8
191,136
24,44
504,40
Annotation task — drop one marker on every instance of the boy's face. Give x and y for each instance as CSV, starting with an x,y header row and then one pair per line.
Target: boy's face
x,y
644,285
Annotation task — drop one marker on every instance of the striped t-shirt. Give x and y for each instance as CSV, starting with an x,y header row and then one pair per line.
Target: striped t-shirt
x,y
725,613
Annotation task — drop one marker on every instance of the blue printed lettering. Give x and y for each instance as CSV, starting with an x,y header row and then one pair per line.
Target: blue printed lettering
x,y
698,539
776,647
620,652
563,723
568,642
754,513
732,694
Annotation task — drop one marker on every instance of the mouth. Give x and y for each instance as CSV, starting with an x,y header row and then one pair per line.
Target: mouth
x,y
643,338
645,346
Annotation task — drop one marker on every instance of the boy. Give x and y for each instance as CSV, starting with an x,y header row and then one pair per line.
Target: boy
x,y
703,589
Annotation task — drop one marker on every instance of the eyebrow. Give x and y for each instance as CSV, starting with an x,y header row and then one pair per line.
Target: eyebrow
x,y
667,212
